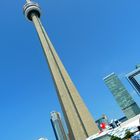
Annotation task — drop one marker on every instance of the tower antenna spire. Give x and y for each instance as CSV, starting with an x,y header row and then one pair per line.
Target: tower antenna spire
x,y
79,121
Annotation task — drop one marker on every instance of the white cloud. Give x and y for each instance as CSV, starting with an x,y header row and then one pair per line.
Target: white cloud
x,y
42,139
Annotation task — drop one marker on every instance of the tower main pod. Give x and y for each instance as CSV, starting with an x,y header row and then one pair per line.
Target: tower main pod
x,y
79,121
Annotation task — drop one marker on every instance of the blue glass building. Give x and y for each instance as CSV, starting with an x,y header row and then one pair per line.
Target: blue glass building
x,y
58,126
123,98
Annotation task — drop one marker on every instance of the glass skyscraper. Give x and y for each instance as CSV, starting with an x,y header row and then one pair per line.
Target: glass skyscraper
x,y
58,126
123,98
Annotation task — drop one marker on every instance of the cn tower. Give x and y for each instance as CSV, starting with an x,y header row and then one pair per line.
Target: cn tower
x,y
79,121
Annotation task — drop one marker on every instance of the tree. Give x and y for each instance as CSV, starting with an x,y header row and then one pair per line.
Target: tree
x,y
115,138
128,135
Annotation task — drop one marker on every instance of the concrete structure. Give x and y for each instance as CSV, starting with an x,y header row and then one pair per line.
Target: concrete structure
x,y
79,121
123,98
58,126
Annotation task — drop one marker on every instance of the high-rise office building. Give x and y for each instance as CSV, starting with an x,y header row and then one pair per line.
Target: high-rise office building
x,y
123,98
58,126
79,121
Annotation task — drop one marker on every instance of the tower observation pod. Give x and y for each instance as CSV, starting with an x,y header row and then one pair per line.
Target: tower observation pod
x,y
30,9
79,121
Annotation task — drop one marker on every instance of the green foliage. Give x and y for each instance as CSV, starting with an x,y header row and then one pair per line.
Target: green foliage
x,y
115,138
128,135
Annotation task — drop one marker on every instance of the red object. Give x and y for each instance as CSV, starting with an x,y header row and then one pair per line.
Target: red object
x,y
103,125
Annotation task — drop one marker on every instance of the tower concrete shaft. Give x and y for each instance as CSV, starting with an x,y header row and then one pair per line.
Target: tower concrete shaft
x,y
79,121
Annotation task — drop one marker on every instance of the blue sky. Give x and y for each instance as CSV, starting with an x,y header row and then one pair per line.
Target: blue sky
x,y
92,37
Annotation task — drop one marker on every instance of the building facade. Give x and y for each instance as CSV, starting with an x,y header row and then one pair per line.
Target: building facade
x,y
102,122
123,98
58,126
